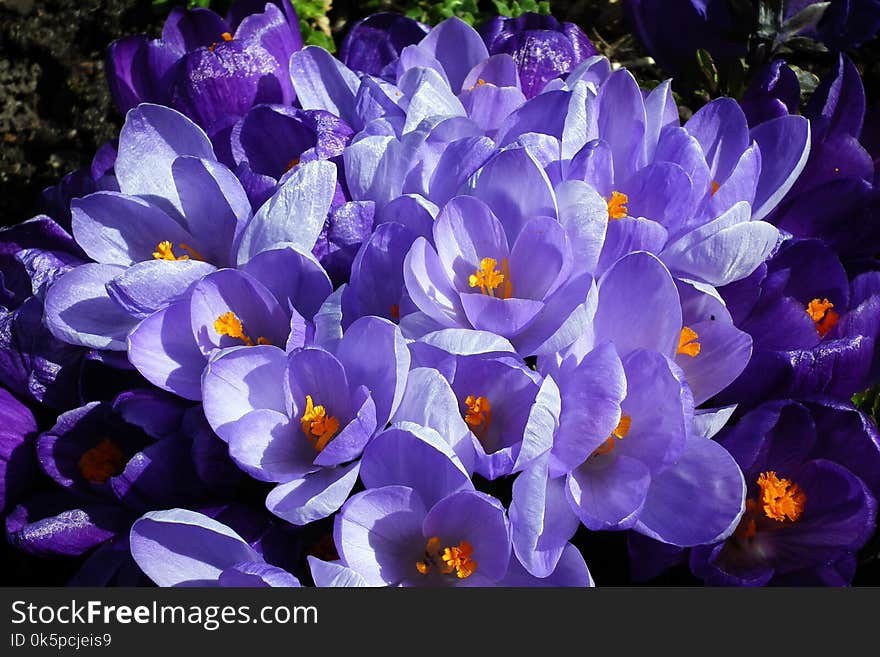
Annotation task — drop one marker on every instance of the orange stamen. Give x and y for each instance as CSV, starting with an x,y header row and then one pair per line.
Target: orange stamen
x,y
101,462
230,325
487,278
687,342
620,432
317,425
453,559
780,498
617,205
822,315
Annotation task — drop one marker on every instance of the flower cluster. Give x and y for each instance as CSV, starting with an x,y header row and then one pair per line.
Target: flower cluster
x,y
426,313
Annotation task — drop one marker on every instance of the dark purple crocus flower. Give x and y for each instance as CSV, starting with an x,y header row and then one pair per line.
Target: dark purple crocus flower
x,y
844,24
813,474
814,331
377,40
835,197
18,429
542,47
34,363
112,461
210,68
673,30
301,420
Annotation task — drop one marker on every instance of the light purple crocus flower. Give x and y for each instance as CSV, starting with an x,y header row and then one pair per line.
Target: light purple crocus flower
x,y
619,459
301,420
179,547
17,460
180,215
435,529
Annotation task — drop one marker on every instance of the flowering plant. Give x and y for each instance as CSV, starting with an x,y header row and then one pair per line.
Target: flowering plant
x,y
438,310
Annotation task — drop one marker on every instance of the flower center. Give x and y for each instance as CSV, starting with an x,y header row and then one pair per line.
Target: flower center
x,y
101,462
229,324
487,278
453,559
318,426
619,433
617,205
478,414
823,317
687,342
780,498
164,251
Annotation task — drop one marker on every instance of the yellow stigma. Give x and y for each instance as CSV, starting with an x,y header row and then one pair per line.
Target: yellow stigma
x,y
479,83
164,251
101,462
617,205
823,317
478,414
229,324
453,559
620,432
781,498
687,342
318,426
487,278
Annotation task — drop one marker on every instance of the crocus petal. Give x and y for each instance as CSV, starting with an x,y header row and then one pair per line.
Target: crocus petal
x,y
269,447
240,381
720,128
417,457
375,355
724,354
163,350
151,139
151,285
295,215
176,546
80,311
541,519
457,46
571,571
532,196
256,573
323,82
785,148
314,496
379,534
639,306
698,500
609,493
333,574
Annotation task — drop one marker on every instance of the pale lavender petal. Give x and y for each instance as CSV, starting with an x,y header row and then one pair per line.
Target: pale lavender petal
x,y
315,496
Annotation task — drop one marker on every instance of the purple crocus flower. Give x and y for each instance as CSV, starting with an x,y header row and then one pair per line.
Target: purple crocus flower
x,y
814,331
301,420
813,474
435,529
111,461
211,69
617,459
33,363
844,23
483,270
178,217
835,198
673,30
542,47
377,40
179,547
